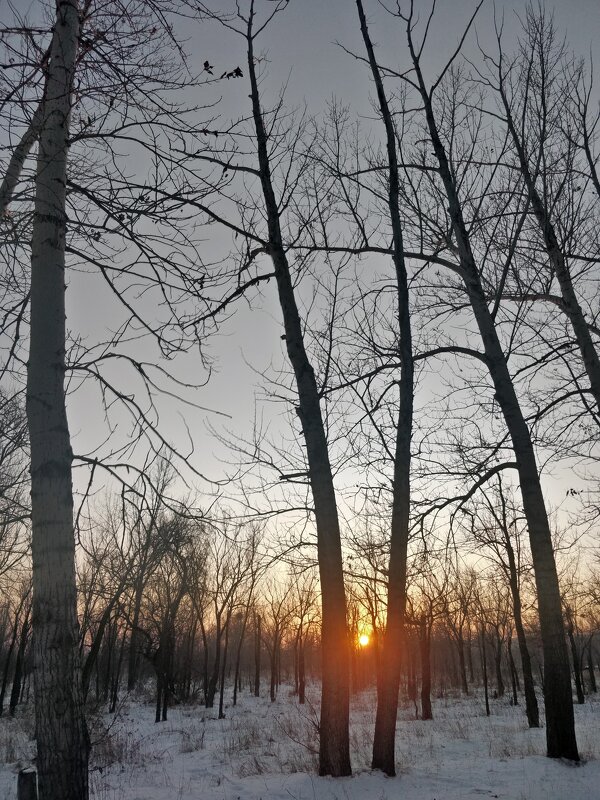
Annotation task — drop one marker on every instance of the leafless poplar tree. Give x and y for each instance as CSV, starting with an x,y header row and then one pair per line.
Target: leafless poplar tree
x,y
62,740
334,758
389,679
560,729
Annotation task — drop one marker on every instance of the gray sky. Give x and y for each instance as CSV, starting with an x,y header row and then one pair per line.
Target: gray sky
x,y
301,49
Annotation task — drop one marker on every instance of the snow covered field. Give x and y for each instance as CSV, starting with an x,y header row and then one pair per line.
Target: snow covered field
x,y
262,751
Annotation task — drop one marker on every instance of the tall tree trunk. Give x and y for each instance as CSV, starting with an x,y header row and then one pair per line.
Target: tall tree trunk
x,y
257,641
531,704
425,654
560,721
387,686
590,664
576,658
62,739
334,743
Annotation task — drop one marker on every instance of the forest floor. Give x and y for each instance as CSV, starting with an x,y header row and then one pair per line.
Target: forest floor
x,y
265,751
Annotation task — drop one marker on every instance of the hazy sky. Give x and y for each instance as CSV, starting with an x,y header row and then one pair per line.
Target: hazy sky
x,y
301,50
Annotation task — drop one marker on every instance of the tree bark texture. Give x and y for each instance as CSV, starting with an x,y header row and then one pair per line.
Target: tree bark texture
x,y
560,723
62,740
334,746
18,158
389,675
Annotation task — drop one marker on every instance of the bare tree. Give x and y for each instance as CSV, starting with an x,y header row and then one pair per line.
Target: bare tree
x,y
560,729
535,93
62,740
388,684
497,524
334,758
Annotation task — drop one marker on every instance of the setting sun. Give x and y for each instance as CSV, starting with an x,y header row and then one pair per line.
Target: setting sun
x,y
363,640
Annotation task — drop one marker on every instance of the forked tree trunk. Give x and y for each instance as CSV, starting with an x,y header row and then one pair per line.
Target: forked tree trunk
x,y
560,722
334,744
62,740
389,674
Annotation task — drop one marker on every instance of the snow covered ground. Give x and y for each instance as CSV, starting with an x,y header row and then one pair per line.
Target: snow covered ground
x,y
264,751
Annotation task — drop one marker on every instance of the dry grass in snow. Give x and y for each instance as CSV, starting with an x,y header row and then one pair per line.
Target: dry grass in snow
x,y
264,751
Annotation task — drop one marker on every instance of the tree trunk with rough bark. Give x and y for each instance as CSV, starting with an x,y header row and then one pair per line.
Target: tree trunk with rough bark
x,y
560,722
62,740
389,675
18,158
334,744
